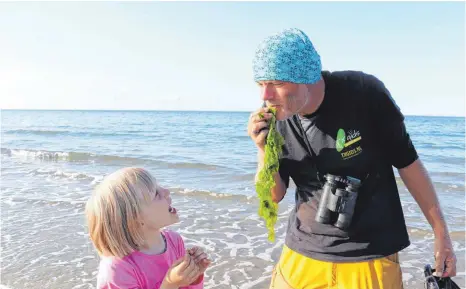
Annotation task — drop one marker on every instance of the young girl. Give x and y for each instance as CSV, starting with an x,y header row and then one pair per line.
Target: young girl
x,y
126,215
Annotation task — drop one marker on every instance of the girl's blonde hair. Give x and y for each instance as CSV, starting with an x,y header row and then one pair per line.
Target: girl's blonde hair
x,y
114,211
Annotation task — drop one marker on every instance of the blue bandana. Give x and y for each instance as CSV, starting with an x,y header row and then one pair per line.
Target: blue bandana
x,y
287,56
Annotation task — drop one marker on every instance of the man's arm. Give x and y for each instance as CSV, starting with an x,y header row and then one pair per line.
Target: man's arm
x,y
418,183
417,180
395,141
279,190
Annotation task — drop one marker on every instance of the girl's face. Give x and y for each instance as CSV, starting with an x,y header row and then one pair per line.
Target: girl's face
x,y
159,213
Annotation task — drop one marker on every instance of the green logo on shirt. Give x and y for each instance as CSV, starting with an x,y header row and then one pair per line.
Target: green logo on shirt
x,y
346,140
341,139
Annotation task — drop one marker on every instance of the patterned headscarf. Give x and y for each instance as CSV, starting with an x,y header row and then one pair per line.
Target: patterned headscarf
x,y
287,56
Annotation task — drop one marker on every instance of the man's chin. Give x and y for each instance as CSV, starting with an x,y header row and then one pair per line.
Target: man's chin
x,y
283,114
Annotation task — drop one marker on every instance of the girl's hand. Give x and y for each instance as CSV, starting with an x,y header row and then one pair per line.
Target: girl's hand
x,y
182,273
200,258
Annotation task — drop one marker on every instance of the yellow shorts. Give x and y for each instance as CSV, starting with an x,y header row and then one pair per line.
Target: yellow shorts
x,y
295,271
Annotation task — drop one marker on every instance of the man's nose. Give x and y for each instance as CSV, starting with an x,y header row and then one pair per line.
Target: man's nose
x,y
267,92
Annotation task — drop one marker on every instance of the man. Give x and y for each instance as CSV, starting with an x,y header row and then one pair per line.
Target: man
x,y
347,125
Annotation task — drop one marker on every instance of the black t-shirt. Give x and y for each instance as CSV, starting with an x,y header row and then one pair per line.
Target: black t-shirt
x,y
371,139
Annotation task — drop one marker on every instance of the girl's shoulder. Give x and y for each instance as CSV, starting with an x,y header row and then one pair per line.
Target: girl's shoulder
x,y
113,270
117,265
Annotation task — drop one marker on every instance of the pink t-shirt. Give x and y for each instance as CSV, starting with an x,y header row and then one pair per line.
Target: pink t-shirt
x,y
142,271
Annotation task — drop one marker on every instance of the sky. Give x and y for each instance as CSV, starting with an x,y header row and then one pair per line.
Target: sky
x,y
198,55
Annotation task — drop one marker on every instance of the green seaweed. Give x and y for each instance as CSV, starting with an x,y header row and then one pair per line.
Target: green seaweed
x,y
273,148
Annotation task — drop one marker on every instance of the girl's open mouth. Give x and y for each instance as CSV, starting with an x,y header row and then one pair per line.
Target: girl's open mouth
x,y
171,210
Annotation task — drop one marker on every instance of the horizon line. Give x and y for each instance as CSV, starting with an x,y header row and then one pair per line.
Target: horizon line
x,y
173,110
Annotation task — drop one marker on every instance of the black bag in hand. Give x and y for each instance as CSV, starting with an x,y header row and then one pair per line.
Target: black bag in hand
x,y
434,282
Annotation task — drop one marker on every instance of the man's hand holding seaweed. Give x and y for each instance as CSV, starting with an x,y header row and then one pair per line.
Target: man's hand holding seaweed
x,y
258,126
262,129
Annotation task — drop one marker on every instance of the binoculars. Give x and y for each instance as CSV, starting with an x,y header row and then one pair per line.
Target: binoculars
x,y
338,201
